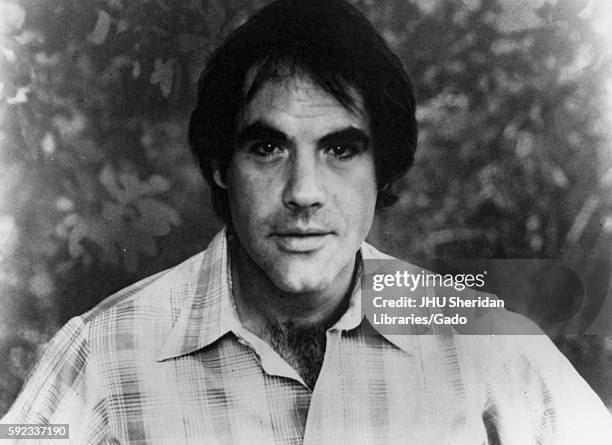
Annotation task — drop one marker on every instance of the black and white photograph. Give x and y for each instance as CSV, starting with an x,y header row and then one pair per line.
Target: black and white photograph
x,y
306,222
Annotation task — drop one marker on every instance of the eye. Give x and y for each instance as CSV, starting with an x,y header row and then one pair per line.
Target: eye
x,y
266,149
342,151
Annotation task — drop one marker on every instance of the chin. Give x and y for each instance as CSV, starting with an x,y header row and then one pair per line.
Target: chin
x,y
300,283
301,287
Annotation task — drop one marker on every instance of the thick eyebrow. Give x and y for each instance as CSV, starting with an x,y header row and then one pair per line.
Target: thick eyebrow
x,y
259,130
349,135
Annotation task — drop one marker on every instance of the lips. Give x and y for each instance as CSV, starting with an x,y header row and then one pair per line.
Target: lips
x,y
301,240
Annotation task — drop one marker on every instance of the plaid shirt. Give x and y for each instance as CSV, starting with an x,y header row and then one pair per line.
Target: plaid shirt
x,y
167,361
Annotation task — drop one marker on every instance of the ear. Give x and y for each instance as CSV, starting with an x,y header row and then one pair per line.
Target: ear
x,y
217,176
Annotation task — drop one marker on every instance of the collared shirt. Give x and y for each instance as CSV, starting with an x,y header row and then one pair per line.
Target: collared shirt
x,y
167,361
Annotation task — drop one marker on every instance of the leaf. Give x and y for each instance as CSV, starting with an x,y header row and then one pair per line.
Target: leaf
x,y
102,233
156,217
133,188
569,9
471,5
108,179
105,234
606,180
41,285
20,97
159,184
74,242
559,177
122,26
47,144
126,187
8,54
114,4
98,35
70,127
163,74
428,6
12,17
517,15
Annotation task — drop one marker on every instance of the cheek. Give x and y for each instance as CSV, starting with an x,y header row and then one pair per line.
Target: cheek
x,y
367,187
249,195
366,210
360,203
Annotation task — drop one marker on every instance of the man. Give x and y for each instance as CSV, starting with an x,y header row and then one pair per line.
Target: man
x,y
304,119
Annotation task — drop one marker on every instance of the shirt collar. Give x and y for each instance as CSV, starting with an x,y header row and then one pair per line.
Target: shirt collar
x,y
209,312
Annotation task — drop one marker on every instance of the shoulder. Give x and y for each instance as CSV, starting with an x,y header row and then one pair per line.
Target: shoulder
x,y
135,319
369,252
531,387
138,318
123,331
163,290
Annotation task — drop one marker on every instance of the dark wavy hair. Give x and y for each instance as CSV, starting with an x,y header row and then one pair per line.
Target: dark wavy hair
x,y
334,45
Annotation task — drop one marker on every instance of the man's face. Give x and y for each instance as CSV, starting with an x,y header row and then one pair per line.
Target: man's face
x,y
301,185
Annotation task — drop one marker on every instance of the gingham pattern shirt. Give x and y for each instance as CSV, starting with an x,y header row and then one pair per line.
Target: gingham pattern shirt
x,y
167,361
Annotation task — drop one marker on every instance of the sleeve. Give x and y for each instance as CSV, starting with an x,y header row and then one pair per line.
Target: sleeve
x,y
64,388
537,397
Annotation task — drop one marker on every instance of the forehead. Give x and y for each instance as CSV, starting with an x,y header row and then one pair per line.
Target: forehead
x,y
298,101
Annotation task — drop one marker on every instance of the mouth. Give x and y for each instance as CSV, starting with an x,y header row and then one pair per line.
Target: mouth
x,y
301,241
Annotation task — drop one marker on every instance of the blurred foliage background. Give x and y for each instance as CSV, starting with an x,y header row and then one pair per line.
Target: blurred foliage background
x,y
98,189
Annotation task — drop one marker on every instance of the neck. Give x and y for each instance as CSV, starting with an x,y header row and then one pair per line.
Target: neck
x,y
261,305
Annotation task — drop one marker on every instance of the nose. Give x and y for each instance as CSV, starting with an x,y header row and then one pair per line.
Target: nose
x,y
304,187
